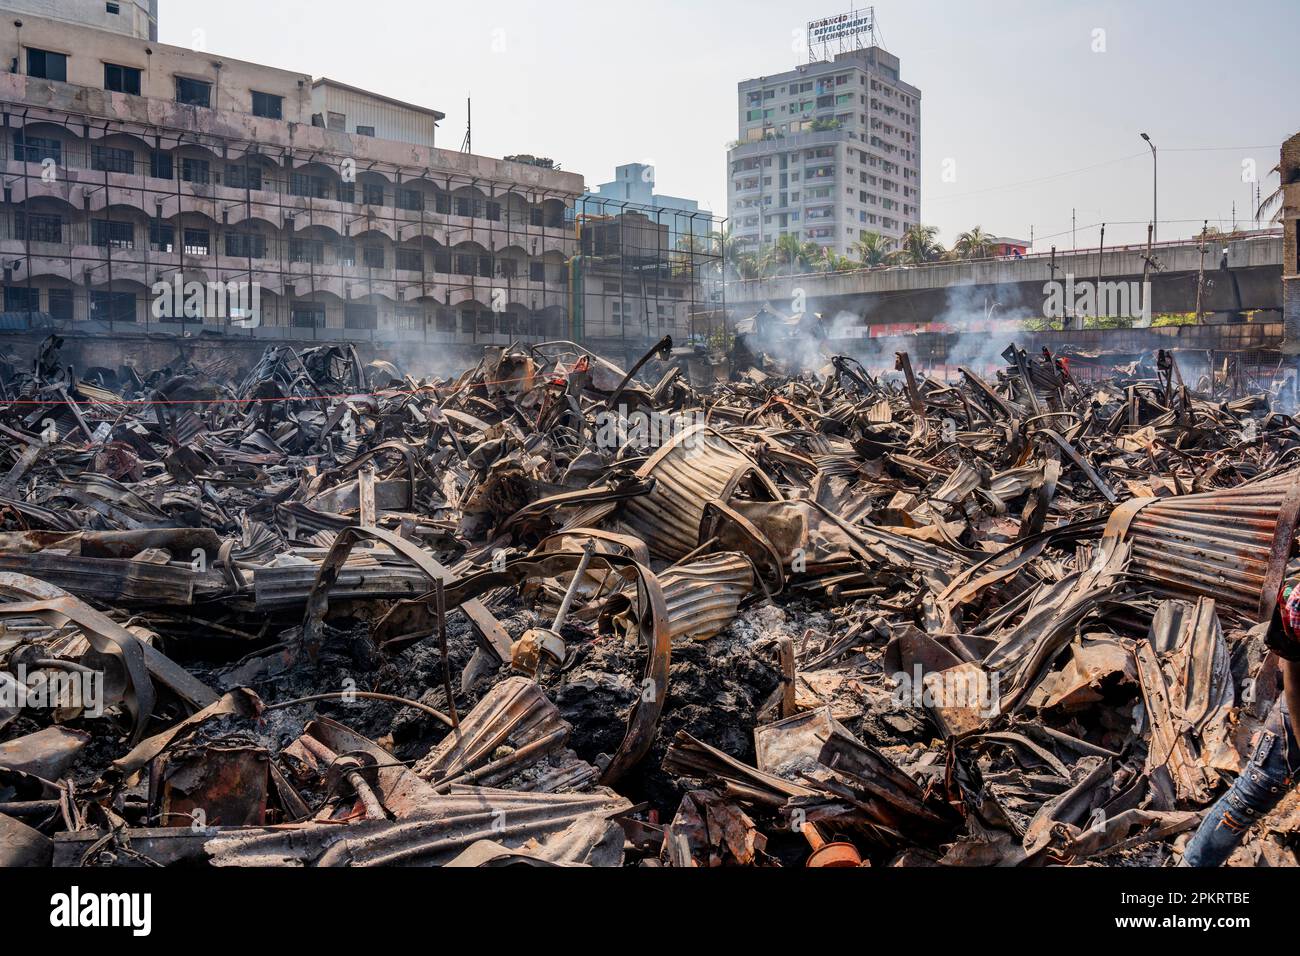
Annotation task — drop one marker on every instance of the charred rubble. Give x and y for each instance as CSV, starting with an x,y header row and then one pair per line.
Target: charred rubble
x,y
559,612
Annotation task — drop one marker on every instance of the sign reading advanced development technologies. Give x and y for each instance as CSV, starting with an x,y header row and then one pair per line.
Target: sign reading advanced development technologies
x,y
845,26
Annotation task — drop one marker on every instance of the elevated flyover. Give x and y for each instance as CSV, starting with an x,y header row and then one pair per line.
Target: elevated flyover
x,y
1242,273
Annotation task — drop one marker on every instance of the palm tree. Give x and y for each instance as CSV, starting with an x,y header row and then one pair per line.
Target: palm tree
x,y
920,245
746,266
873,249
788,255
1270,207
831,261
973,244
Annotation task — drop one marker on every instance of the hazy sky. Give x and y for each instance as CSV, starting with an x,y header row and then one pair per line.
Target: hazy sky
x,y
1034,121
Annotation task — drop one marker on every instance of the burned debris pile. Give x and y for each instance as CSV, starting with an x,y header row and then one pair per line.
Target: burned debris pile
x,y
559,612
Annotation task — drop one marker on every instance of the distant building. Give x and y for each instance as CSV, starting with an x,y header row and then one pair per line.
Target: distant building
x,y
826,152
1003,246
347,109
633,187
629,288
133,18
129,164
1289,168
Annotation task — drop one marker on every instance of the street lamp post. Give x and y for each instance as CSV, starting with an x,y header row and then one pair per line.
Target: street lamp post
x,y
1155,190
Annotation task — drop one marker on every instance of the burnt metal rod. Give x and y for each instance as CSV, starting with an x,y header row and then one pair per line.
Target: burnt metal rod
x,y
588,550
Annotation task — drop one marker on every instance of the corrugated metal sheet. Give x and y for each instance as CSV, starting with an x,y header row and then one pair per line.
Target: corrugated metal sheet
x,y
1229,545
703,596
696,467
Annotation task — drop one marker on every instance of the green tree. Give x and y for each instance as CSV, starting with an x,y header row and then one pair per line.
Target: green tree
x,y
973,244
873,249
920,245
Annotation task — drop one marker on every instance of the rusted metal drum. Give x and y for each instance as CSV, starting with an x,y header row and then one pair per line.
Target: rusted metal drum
x,y
1230,545
693,469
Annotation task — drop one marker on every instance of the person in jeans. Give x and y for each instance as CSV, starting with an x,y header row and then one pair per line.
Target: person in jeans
x,y
1275,762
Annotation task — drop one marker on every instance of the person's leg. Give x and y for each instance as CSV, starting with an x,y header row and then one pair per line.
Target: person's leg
x,y
1268,777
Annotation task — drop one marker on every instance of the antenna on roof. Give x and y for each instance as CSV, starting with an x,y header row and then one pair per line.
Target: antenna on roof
x,y
469,126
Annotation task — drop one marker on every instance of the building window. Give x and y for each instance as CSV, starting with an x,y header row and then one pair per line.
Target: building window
x,y
442,203
193,92
409,319
535,216
366,131
442,261
36,149
112,306
346,192
307,250
360,316
372,194
196,170
409,199
121,79
268,105
113,8
410,260
372,256
197,242
38,228
304,184
46,65
162,237
61,303
245,245
110,159
466,265
307,315
537,271
19,298
464,206
485,266
347,253
160,165
244,177
493,212
117,235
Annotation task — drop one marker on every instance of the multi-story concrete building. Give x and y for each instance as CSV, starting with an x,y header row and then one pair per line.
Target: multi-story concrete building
x,y
1289,171
133,18
630,286
633,187
127,163
827,151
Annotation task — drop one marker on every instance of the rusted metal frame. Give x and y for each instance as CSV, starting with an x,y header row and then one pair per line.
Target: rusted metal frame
x,y
1097,480
491,634
652,624
56,607
1279,553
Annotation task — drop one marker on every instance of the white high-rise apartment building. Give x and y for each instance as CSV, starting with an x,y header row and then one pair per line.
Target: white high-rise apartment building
x,y
827,151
